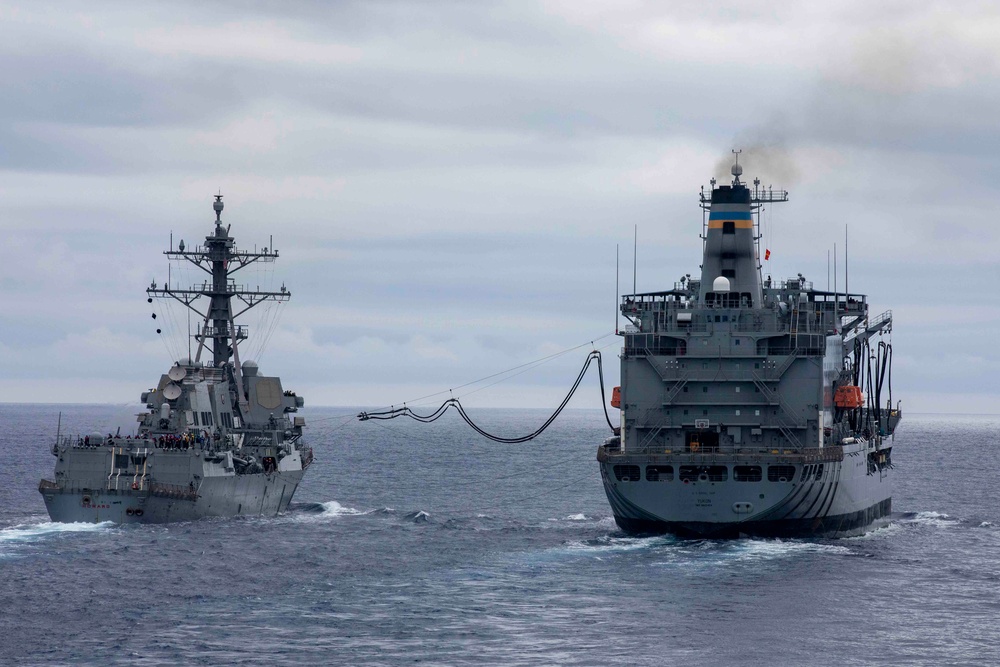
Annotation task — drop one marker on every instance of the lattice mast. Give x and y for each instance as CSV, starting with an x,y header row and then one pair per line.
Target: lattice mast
x,y
220,259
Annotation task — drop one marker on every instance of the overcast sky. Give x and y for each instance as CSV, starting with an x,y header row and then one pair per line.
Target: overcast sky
x,y
446,182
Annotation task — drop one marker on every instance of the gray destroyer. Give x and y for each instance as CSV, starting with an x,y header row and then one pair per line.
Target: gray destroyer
x,y
750,407
219,438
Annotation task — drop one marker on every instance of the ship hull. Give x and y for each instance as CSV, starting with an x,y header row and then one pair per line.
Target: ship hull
x,y
838,498
229,496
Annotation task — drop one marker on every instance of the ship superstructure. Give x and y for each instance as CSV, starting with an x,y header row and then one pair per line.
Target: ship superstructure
x,y
219,438
750,406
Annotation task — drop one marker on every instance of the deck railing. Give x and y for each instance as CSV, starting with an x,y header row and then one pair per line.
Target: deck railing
x,y
173,491
807,455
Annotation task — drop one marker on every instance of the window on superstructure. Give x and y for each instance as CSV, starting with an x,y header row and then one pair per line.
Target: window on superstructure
x,y
780,473
194,417
718,473
659,473
728,227
703,473
627,473
747,473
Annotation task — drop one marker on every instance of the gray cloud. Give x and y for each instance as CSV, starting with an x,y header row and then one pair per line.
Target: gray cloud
x,y
446,182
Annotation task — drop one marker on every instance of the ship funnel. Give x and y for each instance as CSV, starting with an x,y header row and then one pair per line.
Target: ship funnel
x,y
729,276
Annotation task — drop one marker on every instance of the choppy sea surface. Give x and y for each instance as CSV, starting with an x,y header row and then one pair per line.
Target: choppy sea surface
x,y
410,543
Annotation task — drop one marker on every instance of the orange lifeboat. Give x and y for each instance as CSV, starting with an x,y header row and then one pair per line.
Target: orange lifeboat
x,y
849,397
616,398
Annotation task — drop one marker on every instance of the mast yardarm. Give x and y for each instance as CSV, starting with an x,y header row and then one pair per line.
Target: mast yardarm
x,y
220,259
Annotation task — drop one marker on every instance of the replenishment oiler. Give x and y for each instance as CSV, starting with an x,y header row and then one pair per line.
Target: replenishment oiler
x,y
751,407
219,438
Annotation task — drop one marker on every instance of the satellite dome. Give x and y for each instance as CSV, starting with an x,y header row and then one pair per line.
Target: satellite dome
x,y
737,170
720,284
250,368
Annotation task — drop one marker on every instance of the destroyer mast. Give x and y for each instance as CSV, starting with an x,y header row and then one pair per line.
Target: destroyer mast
x,y
220,259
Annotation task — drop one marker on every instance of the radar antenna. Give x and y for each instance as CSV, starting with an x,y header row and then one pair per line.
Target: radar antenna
x,y
220,258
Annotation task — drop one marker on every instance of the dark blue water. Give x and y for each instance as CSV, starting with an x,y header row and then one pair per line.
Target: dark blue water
x,y
413,543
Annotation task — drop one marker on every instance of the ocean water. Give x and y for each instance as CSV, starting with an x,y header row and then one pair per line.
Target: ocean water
x,y
411,543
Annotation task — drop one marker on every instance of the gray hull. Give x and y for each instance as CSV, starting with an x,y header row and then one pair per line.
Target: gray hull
x,y
750,406
218,438
836,494
241,495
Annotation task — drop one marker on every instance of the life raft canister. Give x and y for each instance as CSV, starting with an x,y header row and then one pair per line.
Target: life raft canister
x,y
849,397
616,397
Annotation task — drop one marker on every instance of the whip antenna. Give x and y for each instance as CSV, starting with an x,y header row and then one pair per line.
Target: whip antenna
x,y
635,248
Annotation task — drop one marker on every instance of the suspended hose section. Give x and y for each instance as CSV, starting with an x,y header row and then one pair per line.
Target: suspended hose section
x,y
871,370
405,411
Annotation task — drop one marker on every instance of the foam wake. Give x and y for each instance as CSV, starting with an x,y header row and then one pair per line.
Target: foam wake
x,y
770,549
31,532
328,508
607,544
671,551
333,508
930,518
